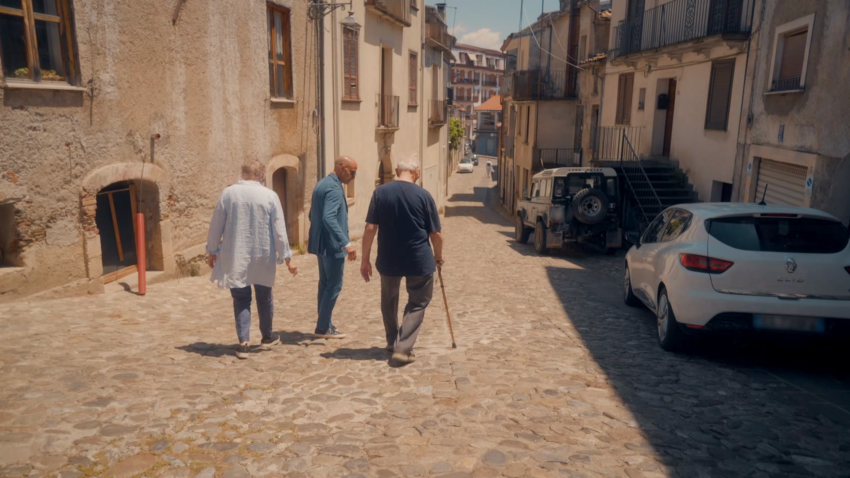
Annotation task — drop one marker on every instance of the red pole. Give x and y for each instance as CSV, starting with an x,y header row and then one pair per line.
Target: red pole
x,y
140,252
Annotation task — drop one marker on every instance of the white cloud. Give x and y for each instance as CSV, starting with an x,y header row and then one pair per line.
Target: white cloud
x,y
484,38
459,29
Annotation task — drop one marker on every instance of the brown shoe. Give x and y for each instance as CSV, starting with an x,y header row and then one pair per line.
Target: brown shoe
x,y
329,334
402,358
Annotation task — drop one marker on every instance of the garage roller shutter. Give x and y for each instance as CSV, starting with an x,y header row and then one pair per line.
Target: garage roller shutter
x,y
786,183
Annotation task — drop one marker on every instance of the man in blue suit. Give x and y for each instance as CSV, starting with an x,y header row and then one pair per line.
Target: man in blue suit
x,y
329,240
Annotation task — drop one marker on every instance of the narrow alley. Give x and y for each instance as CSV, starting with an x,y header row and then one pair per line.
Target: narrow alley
x,y
553,376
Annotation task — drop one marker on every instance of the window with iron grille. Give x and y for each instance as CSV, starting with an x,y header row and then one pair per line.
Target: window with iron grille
x,y
414,77
37,41
719,95
350,49
280,64
792,43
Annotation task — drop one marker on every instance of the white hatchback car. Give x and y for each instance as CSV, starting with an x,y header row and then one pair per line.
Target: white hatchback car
x,y
740,267
465,166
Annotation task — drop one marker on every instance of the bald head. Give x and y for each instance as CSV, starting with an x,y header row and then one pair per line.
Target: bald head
x,y
345,168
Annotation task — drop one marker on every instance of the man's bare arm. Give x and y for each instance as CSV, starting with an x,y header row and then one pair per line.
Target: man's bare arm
x,y
368,239
437,242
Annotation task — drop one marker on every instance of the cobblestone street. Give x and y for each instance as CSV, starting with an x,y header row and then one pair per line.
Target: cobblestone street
x,y
553,376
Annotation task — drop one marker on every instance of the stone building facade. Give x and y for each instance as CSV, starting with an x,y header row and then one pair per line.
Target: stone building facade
x,y
113,108
794,139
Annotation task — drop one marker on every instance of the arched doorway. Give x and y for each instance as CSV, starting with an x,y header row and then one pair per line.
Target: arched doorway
x,y
280,180
115,218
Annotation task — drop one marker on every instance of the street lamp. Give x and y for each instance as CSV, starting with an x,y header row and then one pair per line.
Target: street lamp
x,y
351,22
318,9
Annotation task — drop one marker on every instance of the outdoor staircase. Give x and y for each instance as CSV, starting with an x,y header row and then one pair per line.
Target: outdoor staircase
x,y
650,184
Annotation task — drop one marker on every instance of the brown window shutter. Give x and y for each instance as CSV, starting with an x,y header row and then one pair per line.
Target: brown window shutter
x,y
627,97
719,95
621,87
792,56
414,70
349,52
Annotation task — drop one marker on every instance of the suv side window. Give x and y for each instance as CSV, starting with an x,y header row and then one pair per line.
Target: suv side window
x,y
656,228
679,222
535,189
547,190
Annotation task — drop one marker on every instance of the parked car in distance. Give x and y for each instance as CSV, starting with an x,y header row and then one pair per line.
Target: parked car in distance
x,y
571,205
475,159
465,165
740,267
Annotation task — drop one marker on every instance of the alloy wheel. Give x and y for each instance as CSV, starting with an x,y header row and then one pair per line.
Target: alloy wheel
x,y
663,316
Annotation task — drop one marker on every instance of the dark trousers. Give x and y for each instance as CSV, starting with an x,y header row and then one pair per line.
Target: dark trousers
x,y
242,310
330,285
419,292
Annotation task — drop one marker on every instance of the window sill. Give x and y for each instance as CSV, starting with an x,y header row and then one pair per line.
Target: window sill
x,y
282,101
784,92
386,129
349,201
352,100
43,86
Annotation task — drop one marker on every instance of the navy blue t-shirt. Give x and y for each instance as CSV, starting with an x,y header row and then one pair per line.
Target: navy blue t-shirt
x,y
406,216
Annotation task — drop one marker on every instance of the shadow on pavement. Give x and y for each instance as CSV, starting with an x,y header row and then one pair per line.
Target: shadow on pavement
x,y
217,350
372,353
484,209
717,410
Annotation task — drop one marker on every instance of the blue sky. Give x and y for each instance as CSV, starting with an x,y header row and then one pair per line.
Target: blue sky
x,y
486,23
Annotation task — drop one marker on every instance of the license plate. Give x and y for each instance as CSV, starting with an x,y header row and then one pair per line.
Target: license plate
x,y
789,323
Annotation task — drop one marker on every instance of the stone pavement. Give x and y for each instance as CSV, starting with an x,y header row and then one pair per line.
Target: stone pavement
x,y
552,377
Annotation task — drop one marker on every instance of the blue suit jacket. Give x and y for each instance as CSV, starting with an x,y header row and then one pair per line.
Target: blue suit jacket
x,y
328,219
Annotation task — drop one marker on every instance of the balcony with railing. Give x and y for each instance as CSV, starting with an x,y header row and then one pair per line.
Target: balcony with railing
x,y
547,158
388,113
544,85
439,113
437,35
395,10
786,84
491,84
681,21
464,81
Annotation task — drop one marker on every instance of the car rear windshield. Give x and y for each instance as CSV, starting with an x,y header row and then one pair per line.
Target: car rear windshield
x,y
574,183
774,234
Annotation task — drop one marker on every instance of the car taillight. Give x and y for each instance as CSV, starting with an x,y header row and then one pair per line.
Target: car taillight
x,y
697,263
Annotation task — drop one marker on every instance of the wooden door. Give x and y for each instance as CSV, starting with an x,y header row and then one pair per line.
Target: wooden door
x,y
668,123
115,218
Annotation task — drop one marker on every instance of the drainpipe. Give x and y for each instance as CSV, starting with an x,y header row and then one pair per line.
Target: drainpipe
x,y
421,93
320,99
335,82
744,159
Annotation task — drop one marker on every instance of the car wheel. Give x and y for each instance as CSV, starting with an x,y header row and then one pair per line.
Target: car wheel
x,y
522,233
629,296
540,239
670,336
590,206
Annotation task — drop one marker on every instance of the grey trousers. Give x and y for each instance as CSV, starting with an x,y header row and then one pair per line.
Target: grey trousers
x,y
419,291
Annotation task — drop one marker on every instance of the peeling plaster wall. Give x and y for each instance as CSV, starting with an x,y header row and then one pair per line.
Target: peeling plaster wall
x,y
202,84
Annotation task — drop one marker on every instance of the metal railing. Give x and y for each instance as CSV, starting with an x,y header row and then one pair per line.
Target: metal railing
x,y
437,32
680,21
786,84
637,181
464,81
398,10
387,112
491,84
606,142
439,112
546,158
544,85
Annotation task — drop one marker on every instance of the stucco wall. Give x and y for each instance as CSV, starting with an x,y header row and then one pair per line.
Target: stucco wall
x,y
705,155
815,120
201,84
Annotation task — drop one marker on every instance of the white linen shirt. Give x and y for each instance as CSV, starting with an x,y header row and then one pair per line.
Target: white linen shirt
x,y
248,234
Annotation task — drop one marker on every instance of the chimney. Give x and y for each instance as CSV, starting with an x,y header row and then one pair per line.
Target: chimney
x,y
441,10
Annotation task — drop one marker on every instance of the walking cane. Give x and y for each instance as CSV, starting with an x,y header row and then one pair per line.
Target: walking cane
x,y
445,301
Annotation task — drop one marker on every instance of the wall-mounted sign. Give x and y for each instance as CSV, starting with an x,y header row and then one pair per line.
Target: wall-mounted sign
x,y
809,182
750,170
781,133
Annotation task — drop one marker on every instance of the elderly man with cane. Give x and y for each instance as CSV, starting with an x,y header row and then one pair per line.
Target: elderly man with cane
x,y
246,241
405,218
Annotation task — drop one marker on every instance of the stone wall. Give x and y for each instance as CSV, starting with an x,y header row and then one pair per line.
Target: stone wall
x,y
200,83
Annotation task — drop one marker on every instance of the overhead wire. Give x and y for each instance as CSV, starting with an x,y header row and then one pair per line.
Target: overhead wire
x,y
531,29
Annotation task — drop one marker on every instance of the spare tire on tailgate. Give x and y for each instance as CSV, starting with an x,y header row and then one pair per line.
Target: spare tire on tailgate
x,y
590,206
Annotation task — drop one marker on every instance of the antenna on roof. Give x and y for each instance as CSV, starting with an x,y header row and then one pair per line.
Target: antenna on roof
x,y
762,203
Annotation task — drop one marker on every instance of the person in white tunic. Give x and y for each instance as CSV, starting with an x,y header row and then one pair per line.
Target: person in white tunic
x,y
246,242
